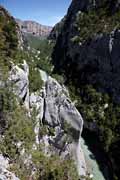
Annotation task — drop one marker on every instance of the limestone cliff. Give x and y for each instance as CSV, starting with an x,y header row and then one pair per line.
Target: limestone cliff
x,y
55,111
34,28
34,122
96,60
87,53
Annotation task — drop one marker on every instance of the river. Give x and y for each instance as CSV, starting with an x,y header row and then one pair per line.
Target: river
x,y
96,160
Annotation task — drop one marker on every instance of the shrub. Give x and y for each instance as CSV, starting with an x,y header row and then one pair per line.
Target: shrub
x,y
59,78
93,22
53,167
8,34
35,80
20,129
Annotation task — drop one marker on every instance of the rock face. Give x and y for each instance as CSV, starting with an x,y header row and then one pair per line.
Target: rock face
x,y
54,111
4,173
60,113
19,77
96,61
55,32
34,28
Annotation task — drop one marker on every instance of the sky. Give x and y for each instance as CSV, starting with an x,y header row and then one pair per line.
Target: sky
x,y
46,12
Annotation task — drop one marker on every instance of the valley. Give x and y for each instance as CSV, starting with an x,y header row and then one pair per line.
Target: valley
x,y
59,95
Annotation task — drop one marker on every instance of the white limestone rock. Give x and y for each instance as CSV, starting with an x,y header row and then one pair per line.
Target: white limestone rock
x,y
55,110
19,77
59,111
5,174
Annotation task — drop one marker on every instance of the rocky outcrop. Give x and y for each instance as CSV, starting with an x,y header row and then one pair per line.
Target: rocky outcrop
x,y
87,52
19,78
59,114
55,112
96,61
5,174
58,124
34,28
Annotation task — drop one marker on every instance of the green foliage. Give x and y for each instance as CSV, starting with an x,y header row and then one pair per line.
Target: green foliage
x,y
20,129
40,57
34,41
46,130
51,131
93,22
4,68
35,80
20,56
59,78
43,130
53,168
74,94
44,57
98,108
8,34
15,125
20,170
47,168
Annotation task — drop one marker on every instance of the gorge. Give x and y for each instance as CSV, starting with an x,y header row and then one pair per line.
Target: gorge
x,y
59,99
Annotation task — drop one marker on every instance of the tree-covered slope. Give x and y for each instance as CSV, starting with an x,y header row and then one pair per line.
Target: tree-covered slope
x,y
87,53
37,128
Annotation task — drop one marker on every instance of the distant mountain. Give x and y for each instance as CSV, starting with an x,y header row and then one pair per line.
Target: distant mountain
x,y
34,28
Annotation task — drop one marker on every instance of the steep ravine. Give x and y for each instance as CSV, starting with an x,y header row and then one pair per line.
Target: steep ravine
x,y
87,143
58,107
54,108
93,163
97,161
55,111
40,126
87,53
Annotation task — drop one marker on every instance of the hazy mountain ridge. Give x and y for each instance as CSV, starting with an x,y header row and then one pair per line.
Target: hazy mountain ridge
x,y
34,28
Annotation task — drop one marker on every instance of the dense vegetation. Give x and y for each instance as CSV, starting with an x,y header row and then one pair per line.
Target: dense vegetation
x,y
17,127
96,107
80,44
88,26
17,135
44,57
34,41
8,35
99,109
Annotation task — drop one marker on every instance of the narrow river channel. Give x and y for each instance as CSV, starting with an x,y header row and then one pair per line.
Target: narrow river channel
x,y
96,160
